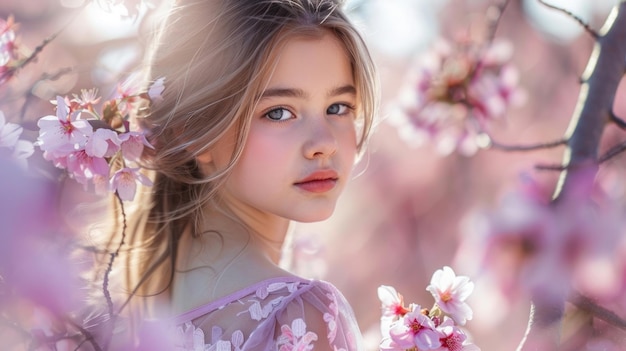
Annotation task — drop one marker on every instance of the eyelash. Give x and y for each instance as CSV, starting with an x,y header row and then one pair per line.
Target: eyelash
x,y
349,108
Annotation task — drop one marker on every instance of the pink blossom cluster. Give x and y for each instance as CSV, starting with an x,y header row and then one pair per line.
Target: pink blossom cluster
x,y
417,328
9,48
457,91
534,246
99,150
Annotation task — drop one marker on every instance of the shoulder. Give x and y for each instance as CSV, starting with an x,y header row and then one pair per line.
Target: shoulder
x,y
318,313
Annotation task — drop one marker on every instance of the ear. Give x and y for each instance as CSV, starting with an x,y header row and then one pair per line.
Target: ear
x,y
205,157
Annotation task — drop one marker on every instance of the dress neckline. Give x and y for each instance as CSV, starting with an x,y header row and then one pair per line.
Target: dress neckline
x,y
213,305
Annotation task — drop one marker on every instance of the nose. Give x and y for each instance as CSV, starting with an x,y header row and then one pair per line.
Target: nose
x,y
321,141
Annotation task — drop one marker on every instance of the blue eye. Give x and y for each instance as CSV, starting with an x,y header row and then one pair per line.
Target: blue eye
x,y
338,109
279,114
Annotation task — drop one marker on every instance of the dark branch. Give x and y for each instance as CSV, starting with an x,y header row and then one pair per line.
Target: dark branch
x,y
531,147
618,121
88,336
58,74
494,16
580,21
105,282
586,304
11,71
614,151
558,168
33,56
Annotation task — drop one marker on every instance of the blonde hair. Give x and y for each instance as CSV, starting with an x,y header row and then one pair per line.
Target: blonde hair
x,y
216,57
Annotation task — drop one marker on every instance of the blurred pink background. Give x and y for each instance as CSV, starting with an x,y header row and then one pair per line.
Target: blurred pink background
x,y
404,215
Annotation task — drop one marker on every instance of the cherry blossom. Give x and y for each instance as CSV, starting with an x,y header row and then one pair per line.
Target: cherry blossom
x,y
156,89
453,338
417,328
9,49
450,292
128,94
85,140
132,144
103,143
457,92
414,329
533,246
84,167
87,100
124,182
392,302
62,134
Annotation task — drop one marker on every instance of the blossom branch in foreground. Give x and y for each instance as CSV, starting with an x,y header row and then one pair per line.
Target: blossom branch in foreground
x,y
97,147
417,328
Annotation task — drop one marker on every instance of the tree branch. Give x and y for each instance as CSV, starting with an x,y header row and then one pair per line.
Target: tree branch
x,y
558,168
586,304
13,70
580,21
614,151
105,282
495,15
530,147
618,121
600,79
88,336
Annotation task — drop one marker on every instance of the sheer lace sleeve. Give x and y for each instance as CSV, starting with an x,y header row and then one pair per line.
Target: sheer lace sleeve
x,y
289,314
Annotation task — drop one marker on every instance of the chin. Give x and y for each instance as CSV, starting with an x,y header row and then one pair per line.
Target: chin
x,y
314,216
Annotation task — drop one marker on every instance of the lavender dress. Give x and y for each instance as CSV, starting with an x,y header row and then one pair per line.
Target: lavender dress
x,y
283,314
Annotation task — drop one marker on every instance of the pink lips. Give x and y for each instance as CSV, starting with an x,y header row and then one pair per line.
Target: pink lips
x,y
318,181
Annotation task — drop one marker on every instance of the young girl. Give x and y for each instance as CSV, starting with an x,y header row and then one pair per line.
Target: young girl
x,y
266,105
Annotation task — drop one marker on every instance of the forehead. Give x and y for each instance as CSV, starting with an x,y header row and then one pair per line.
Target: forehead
x,y
320,60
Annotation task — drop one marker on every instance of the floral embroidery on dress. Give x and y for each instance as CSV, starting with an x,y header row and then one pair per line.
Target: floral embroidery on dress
x,y
192,339
250,319
296,338
259,312
331,319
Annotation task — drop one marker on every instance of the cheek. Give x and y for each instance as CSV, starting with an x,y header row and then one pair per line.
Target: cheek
x,y
264,158
348,142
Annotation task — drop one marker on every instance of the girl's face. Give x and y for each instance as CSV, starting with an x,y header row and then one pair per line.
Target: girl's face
x,y
302,141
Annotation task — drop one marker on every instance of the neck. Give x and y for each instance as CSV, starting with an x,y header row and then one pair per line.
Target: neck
x,y
230,250
261,233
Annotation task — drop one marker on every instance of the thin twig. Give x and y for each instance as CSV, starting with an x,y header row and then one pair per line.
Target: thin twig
x,y
45,76
580,21
586,304
559,168
493,27
614,151
84,332
11,71
531,147
618,121
107,273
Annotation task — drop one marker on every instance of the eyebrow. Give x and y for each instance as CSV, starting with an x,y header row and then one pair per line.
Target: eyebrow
x,y
299,93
